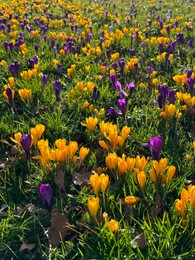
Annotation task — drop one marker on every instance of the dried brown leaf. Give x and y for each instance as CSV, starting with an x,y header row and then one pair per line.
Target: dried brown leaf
x,y
157,206
81,177
26,245
59,228
59,180
31,208
139,241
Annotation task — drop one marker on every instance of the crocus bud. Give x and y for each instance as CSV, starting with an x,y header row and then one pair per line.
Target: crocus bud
x,y
44,80
112,113
113,79
130,86
9,95
25,142
171,96
45,192
155,146
149,69
96,93
122,105
57,87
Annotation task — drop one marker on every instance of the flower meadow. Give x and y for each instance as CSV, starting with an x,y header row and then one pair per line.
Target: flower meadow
x,y
97,129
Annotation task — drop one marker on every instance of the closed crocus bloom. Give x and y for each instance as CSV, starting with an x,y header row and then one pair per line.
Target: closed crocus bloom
x,y
111,161
131,200
122,167
44,79
122,105
191,193
193,145
95,182
170,173
170,111
45,192
163,164
141,177
73,147
91,123
104,181
60,143
125,131
57,87
25,94
130,163
141,162
104,145
184,196
9,95
17,138
25,141
153,175
93,205
113,225
181,208
121,140
83,152
44,149
11,81
37,132
155,146
103,69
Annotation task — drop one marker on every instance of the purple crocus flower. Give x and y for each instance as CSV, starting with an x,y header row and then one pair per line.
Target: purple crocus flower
x,y
118,86
130,86
31,63
5,45
25,141
189,73
113,79
11,46
155,146
171,96
190,43
14,68
108,54
121,64
96,93
132,52
52,43
44,80
149,69
36,47
112,113
57,87
190,83
45,191
122,105
163,90
35,59
9,95
180,38
59,67
160,47
114,65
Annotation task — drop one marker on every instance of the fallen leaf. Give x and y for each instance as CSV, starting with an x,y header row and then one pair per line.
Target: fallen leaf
x,y
59,180
139,241
157,206
31,208
81,177
26,245
59,228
